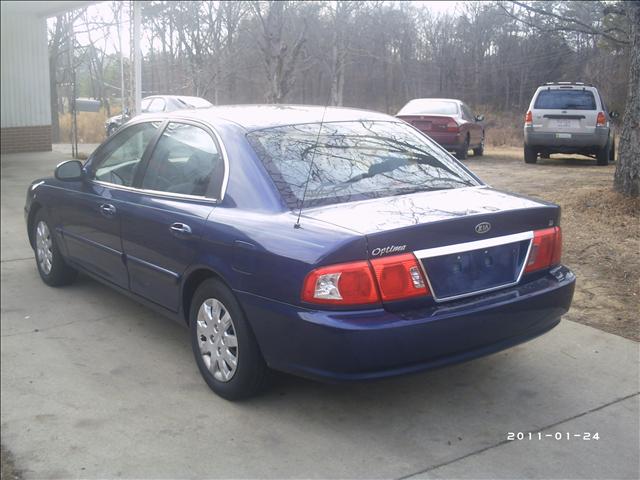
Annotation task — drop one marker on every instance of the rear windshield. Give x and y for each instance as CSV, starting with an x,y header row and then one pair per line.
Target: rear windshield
x,y
354,161
565,100
425,107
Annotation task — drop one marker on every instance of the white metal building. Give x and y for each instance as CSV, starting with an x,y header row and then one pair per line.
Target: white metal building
x,y
25,105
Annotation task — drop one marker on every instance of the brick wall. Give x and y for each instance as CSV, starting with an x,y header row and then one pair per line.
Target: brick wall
x,y
25,139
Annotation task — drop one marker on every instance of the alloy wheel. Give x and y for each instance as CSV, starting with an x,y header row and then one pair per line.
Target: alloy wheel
x,y
44,246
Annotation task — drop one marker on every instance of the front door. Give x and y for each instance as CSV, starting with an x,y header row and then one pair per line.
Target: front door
x,y
165,218
91,215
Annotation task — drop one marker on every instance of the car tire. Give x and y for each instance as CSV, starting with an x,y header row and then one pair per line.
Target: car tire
x,y
546,156
612,152
603,155
530,154
52,268
479,151
223,344
462,153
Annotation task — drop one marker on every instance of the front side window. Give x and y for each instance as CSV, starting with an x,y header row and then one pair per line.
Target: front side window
x,y
185,160
144,105
354,161
119,160
565,100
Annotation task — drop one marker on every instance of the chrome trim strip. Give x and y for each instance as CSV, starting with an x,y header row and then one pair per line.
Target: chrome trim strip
x,y
153,266
468,246
155,192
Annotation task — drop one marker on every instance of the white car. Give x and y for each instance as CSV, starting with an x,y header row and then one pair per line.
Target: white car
x,y
567,117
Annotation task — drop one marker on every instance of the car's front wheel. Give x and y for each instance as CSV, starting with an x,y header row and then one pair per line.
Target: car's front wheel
x,y
52,268
530,154
224,346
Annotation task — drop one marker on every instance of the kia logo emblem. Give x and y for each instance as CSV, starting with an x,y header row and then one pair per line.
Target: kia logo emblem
x,y
483,227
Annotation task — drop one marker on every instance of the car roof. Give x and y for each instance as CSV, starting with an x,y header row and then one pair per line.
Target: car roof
x,y
429,99
257,117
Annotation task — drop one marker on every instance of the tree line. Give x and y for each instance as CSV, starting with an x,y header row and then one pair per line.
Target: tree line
x,y
368,54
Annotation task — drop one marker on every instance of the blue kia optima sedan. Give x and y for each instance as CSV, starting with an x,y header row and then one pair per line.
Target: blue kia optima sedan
x,y
331,243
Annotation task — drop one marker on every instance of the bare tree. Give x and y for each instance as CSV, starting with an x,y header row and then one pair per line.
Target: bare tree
x,y
279,55
627,175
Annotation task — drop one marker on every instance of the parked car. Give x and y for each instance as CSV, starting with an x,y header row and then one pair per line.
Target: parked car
x,y
156,104
335,244
449,122
567,117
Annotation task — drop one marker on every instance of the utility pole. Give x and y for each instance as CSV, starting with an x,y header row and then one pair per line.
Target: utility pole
x,y
122,97
137,56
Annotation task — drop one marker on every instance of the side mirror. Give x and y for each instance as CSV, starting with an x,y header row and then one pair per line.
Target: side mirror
x,y
479,118
614,114
69,171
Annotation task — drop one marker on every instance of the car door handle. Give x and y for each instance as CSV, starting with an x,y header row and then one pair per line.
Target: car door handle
x,y
107,210
180,229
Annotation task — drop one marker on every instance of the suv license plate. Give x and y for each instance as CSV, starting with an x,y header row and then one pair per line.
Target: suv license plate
x,y
563,135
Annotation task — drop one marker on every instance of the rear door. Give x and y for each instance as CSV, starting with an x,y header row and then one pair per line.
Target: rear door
x,y
565,110
165,217
475,130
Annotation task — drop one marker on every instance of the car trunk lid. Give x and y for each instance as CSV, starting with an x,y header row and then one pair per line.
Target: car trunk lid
x,y
468,240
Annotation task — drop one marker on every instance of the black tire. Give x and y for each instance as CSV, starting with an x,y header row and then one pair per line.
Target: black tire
x,y
462,153
546,156
602,157
251,373
479,151
530,154
612,152
52,268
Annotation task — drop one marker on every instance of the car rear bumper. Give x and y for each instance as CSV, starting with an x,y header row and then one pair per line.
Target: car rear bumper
x,y
337,346
595,140
448,141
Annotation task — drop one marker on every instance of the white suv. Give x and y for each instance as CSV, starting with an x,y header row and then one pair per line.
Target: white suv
x,y
568,117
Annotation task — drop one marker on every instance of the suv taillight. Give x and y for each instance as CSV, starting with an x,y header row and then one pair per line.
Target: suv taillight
x,y
528,119
397,277
602,120
546,249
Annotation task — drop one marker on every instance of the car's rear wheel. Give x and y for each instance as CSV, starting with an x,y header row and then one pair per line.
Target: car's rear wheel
x,y
479,150
463,151
225,348
603,155
530,154
52,268
612,152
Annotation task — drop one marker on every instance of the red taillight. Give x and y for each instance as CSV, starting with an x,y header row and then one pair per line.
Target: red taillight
x,y
343,284
602,120
546,249
399,277
452,126
528,118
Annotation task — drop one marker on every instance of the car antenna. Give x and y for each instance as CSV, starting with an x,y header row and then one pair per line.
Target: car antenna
x,y
313,156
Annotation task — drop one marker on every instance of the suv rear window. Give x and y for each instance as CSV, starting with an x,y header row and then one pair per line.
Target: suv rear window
x,y
565,100
354,161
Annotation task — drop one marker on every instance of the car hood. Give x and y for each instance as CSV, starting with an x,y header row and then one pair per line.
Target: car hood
x,y
390,213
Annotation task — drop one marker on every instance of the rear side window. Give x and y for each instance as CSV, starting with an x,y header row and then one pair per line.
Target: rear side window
x,y
185,160
565,100
354,161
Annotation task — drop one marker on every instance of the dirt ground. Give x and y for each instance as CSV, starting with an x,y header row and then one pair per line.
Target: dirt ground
x,y
601,231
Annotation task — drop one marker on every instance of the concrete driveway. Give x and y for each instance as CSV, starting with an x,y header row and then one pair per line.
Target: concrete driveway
x,y
95,386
